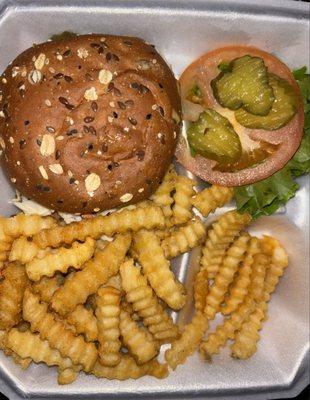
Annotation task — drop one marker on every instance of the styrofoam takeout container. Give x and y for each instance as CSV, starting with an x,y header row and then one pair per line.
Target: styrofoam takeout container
x,y
181,31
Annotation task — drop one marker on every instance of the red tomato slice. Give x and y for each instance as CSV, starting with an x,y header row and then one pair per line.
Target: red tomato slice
x,y
284,142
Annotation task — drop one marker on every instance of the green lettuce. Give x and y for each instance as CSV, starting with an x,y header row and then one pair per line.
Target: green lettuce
x,y
267,196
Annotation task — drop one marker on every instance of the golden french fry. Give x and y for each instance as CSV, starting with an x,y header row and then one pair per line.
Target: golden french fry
x,y
66,376
227,329
142,298
5,245
11,294
188,342
220,237
157,269
246,339
184,190
259,269
184,238
56,333
201,289
46,287
23,250
29,345
22,362
26,225
60,260
245,344
108,319
239,287
84,322
208,200
138,342
162,196
225,275
95,273
128,369
117,222
279,261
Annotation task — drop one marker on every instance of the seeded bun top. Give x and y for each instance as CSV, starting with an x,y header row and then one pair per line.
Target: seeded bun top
x,y
89,122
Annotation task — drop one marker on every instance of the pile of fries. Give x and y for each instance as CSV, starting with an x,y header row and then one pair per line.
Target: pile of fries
x,y
95,295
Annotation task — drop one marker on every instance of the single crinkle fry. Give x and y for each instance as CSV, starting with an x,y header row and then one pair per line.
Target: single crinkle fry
x,y
140,345
117,222
142,298
23,250
12,289
225,275
26,225
162,196
56,333
188,342
60,260
66,376
84,322
201,289
95,273
208,200
259,269
245,344
184,238
108,320
182,208
219,238
246,339
5,245
22,362
227,329
157,269
279,261
129,369
29,345
239,287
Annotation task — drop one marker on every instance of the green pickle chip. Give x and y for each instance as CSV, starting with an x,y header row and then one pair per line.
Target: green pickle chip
x,y
194,94
213,136
244,84
283,109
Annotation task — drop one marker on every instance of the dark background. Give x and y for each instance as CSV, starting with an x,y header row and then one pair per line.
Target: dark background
x,y
305,394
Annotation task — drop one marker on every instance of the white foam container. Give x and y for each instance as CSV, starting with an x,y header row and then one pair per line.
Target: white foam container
x,y
181,31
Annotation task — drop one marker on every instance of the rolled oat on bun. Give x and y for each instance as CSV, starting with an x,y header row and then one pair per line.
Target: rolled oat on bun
x,y
88,123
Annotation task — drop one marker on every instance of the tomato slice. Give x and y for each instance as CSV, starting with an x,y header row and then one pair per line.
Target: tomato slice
x,y
274,148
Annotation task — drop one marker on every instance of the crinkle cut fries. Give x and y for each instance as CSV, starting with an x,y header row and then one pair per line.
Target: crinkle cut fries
x,y
70,298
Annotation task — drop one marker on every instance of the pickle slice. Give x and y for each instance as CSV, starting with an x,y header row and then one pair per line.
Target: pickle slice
x,y
244,84
213,136
194,94
283,109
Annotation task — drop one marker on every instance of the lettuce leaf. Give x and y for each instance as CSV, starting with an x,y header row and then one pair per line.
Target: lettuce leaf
x,y
267,196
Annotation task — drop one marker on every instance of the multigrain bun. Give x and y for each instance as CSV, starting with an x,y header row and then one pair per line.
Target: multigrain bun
x,y
89,122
